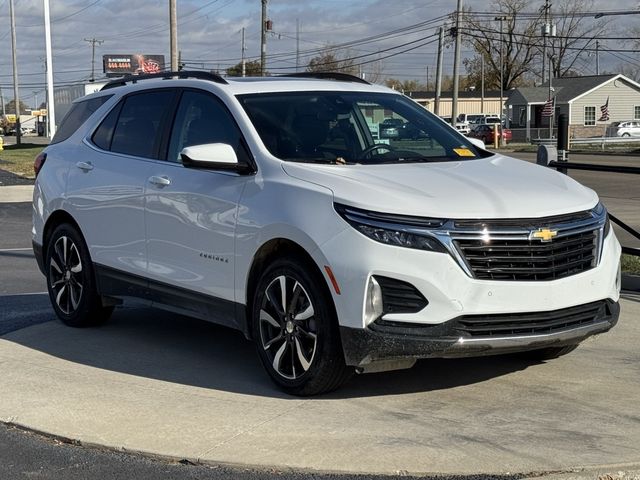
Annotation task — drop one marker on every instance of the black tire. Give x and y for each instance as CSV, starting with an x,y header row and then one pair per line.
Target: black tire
x,y
302,339
71,281
549,353
626,134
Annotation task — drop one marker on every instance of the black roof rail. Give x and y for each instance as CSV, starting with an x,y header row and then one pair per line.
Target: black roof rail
x,y
343,77
120,82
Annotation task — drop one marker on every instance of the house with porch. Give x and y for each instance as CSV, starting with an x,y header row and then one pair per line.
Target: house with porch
x,y
581,98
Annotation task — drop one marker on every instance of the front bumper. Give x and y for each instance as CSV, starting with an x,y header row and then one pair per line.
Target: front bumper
x,y
387,342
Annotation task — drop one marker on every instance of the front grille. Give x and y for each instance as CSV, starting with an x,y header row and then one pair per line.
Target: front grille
x,y
529,260
504,325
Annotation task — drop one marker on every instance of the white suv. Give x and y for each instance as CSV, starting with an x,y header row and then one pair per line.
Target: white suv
x,y
266,205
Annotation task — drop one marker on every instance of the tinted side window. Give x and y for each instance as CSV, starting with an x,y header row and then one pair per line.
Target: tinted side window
x,y
76,116
103,135
200,119
138,125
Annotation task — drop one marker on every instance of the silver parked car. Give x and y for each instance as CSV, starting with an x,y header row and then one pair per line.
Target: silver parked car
x,y
629,128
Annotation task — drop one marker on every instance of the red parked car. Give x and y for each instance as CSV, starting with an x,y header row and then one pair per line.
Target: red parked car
x,y
487,134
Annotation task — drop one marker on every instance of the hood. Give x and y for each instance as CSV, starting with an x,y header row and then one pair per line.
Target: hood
x,y
494,187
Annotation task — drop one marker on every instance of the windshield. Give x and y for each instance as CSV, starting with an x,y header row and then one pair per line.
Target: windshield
x,y
353,128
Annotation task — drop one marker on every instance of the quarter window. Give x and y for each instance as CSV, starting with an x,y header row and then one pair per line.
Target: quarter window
x,y
636,112
139,123
201,118
103,135
77,115
590,115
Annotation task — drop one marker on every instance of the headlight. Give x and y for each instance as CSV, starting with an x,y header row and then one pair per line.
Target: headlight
x,y
601,211
398,230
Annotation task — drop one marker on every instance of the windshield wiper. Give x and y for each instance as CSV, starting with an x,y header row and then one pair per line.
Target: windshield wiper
x,y
326,161
417,160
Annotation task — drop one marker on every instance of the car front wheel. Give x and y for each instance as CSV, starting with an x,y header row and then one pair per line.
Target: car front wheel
x,y
296,330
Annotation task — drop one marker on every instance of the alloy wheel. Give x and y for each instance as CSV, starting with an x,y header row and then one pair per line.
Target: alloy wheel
x,y
65,275
288,328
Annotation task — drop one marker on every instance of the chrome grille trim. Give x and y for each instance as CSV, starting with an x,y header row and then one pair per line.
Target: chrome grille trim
x,y
504,253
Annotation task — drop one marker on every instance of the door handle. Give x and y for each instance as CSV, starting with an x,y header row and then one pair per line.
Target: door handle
x,y
160,181
85,166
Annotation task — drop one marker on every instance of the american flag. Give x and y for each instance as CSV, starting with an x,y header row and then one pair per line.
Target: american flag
x,y
547,111
604,109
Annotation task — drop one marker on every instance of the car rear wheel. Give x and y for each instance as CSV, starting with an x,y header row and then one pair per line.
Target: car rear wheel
x,y
296,330
626,134
71,281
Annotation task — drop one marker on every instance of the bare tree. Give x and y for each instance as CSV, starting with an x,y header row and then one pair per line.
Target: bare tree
x,y
629,70
519,51
332,60
574,34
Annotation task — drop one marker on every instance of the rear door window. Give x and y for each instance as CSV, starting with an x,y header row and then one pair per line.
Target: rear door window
x,y
76,116
138,128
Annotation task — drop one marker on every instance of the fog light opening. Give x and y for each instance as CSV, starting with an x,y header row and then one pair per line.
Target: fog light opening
x,y
373,306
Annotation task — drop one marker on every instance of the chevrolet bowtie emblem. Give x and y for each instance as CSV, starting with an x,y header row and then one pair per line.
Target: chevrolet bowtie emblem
x,y
544,234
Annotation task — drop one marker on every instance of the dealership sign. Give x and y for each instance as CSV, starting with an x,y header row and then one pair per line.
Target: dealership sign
x,y
117,65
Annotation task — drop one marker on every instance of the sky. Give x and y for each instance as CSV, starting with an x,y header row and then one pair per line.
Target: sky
x,y
209,35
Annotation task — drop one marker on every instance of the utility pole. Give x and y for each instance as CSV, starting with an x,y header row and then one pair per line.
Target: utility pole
x,y
297,44
243,61
482,84
51,110
456,66
501,19
173,35
553,111
263,40
93,42
597,57
436,105
2,101
546,31
427,77
16,96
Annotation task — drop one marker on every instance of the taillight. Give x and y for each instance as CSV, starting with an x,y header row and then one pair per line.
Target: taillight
x,y
39,162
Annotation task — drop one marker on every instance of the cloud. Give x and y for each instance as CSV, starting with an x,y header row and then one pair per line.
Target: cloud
x,y
209,33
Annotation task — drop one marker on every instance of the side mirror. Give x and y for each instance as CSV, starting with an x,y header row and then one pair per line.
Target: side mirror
x,y
215,156
477,142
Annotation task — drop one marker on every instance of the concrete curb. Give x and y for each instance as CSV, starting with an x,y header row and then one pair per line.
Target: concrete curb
x,y
16,193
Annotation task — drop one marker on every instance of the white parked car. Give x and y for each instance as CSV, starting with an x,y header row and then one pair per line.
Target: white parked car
x,y
462,127
624,129
266,205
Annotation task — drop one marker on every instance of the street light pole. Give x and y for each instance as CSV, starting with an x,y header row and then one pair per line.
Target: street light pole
x,y
51,108
456,66
16,96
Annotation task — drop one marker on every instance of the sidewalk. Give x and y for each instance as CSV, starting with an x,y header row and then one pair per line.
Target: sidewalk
x,y
16,193
156,383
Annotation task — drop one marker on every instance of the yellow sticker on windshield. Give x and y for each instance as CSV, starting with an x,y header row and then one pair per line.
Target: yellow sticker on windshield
x,y
464,152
